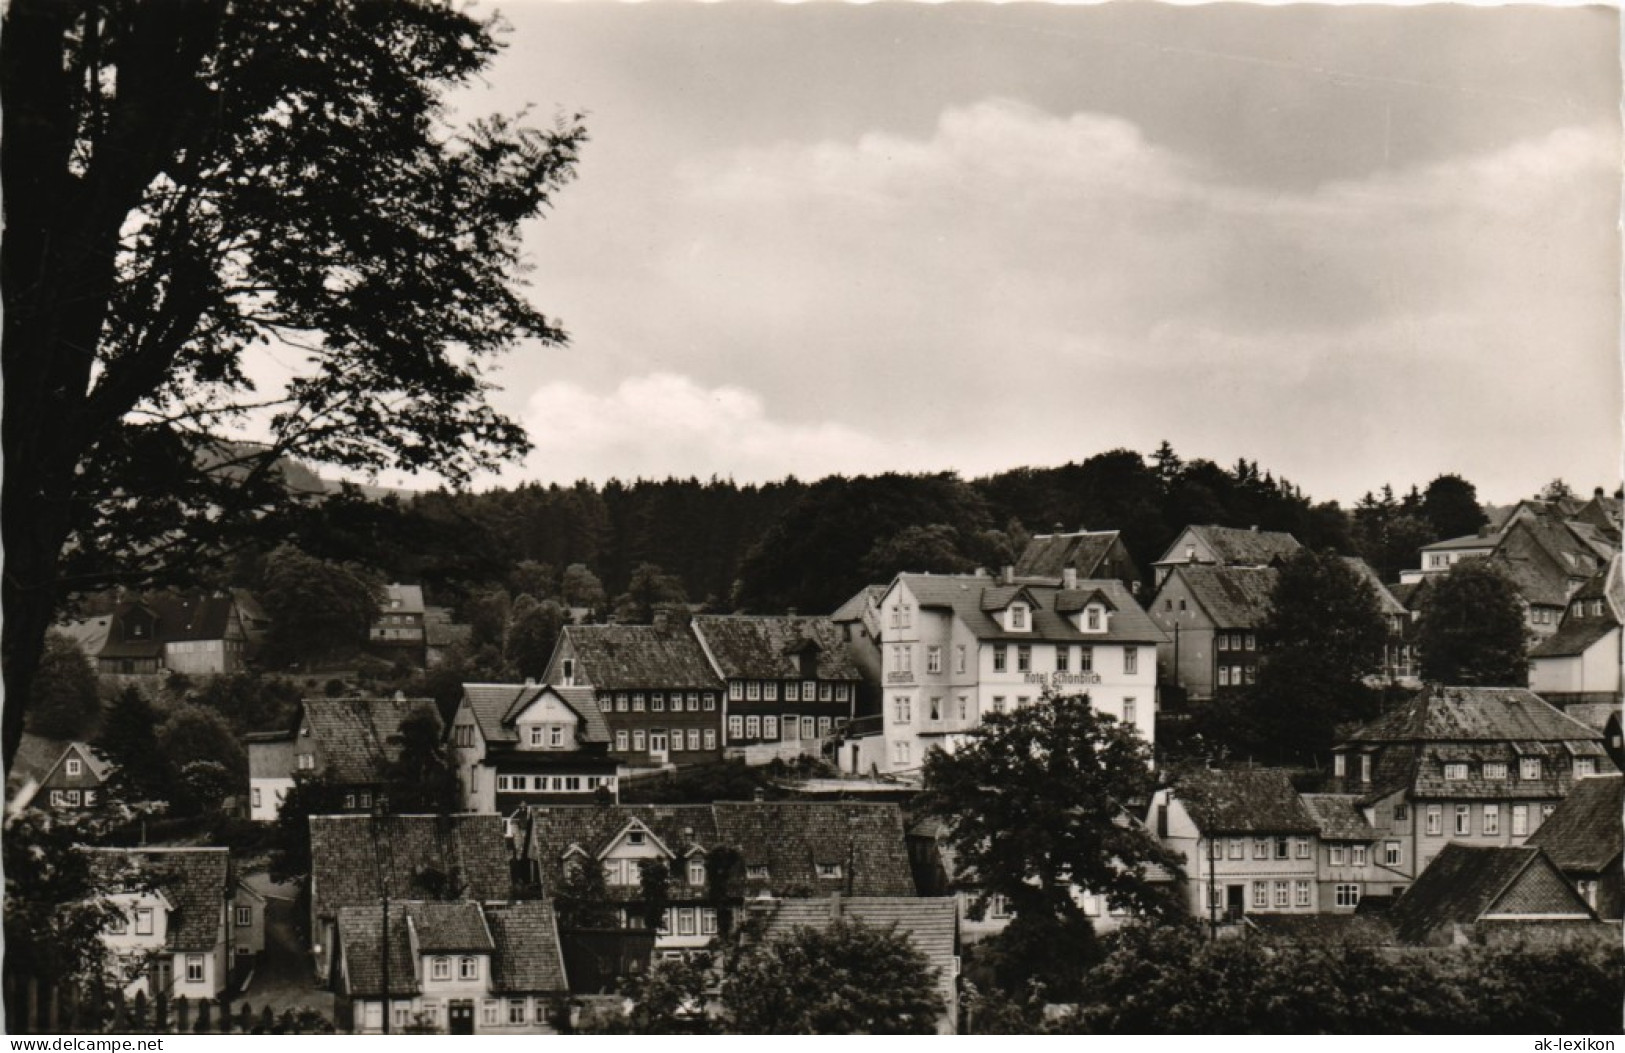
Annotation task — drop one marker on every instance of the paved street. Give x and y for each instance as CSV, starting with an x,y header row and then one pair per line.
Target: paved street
x,y
286,977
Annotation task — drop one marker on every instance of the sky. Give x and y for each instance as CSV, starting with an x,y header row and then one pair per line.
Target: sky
x,y
1355,244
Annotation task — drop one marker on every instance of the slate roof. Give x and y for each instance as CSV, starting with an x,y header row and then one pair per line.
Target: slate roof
x,y
357,858
410,599
90,634
450,928
1474,714
963,594
1323,930
861,602
931,925
1594,715
194,617
196,881
1463,883
1239,546
768,647
1585,833
790,838
1234,597
497,706
1574,637
1338,816
1245,801
1607,584
358,737
1540,586
1048,555
361,939
528,957
1409,594
622,657
1386,600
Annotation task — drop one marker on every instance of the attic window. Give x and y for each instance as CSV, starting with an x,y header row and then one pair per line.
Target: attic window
x,y
756,873
1092,619
74,766
1018,616
829,870
635,837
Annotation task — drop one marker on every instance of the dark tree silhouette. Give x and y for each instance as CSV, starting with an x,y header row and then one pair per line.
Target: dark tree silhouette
x,y
187,180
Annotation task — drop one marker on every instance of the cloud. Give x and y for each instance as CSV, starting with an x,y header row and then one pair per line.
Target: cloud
x,y
663,424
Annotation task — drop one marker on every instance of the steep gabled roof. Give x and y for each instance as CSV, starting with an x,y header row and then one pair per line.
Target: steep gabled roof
x,y
1049,555
1574,637
1234,597
1585,832
621,657
1338,816
195,881
496,707
403,599
361,942
450,928
98,765
1474,714
359,737
792,839
863,601
528,958
1466,882
356,859
1238,547
1245,801
768,647
963,594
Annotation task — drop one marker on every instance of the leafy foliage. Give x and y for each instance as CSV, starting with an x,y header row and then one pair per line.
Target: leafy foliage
x,y
65,702
1037,803
188,181
1471,629
1324,635
1173,981
129,739
582,898
195,734
317,608
847,979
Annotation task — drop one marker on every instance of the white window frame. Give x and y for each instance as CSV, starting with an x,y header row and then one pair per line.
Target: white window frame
x,y
1335,854
1520,820
933,658
696,872
1455,771
792,691
144,921
1393,853
1357,856
1131,661
440,967
621,740
1348,894
245,917
1492,820
1529,768
710,738
74,766
753,690
1435,820
1495,770
468,968
194,968
1300,894
1464,819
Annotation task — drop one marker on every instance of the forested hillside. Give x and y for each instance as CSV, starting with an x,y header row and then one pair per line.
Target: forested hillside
x,y
811,545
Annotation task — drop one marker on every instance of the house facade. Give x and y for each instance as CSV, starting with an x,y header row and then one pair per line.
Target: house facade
x,y
1218,546
783,849
1249,843
1475,765
656,689
791,682
1209,617
177,932
199,635
1349,859
350,742
1581,662
358,860
1586,840
956,648
400,626
1493,894
457,968
77,781
519,744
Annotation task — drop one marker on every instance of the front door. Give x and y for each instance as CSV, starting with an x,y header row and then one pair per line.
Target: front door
x,y
460,1017
1235,901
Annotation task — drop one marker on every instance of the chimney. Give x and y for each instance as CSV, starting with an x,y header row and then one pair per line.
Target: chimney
x,y
757,795
791,612
1069,577
1008,575
400,696
530,681
660,619
1253,528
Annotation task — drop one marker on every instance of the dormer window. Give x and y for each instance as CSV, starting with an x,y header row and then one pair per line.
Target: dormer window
x,y
756,873
635,837
1018,616
1092,620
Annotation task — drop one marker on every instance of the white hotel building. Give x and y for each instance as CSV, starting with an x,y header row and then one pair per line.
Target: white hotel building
x,y
957,647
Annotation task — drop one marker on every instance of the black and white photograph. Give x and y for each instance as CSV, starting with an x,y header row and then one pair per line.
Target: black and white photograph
x,y
578,517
